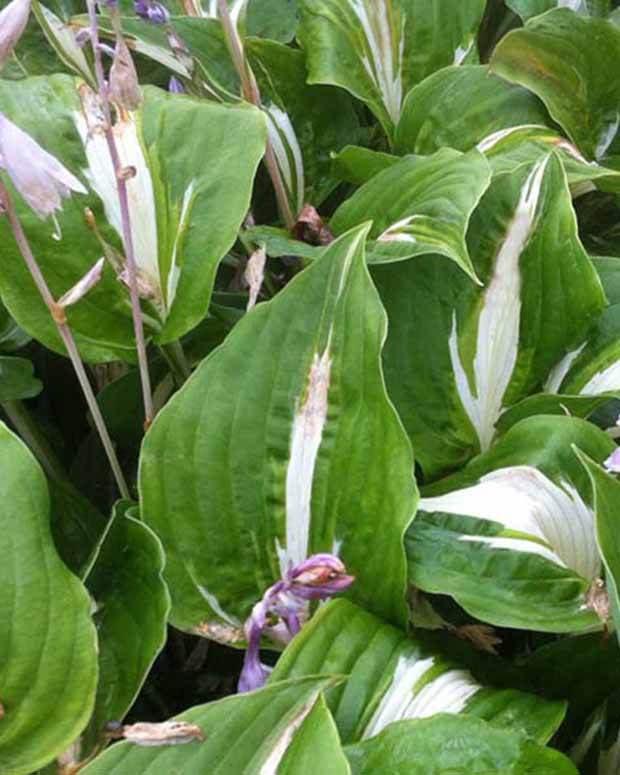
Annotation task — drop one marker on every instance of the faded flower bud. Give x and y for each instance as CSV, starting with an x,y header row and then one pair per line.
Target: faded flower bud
x,y
13,20
254,275
175,86
284,605
83,286
37,175
124,86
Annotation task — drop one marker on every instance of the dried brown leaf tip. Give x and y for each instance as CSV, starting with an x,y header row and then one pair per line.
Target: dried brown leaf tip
x,y
164,733
481,636
221,633
311,229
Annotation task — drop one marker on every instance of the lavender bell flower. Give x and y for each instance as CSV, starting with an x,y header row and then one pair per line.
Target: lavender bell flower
x,y
317,578
37,175
152,11
13,20
175,86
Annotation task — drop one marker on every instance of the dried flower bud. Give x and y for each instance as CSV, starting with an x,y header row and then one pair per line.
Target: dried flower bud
x,y
311,228
165,733
83,286
152,11
254,275
13,20
38,176
124,86
317,578
612,464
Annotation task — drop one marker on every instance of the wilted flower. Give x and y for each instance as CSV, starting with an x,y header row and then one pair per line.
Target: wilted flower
x,y
157,734
83,286
13,20
124,86
152,11
283,604
38,176
612,464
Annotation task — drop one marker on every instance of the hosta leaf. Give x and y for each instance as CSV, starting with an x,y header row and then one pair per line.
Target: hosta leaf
x,y
453,745
528,8
12,337
322,118
48,651
316,746
457,356
509,148
460,106
550,403
418,206
565,59
274,19
392,677
512,537
17,379
61,38
606,493
379,49
132,605
246,733
358,165
262,458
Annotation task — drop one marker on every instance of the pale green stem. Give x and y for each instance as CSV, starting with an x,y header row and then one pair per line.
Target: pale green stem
x,y
28,429
175,358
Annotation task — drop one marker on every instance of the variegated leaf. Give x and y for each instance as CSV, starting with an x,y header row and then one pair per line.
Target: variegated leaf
x,y
378,49
419,206
458,356
247,733
263,456
513,536
392,677
553,56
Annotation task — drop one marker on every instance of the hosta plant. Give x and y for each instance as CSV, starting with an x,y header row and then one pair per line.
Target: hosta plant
x,y
310,387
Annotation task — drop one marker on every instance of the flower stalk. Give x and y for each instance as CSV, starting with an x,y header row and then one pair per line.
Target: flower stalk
x,y
56,311
251,93
121,181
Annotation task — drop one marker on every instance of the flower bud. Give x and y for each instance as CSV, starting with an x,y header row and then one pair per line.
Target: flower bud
x,y
13,20
612,464
152,11
175,86
124,86
37,175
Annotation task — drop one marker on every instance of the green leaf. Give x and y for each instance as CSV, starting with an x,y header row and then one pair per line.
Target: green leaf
x,y
453,745
419,206
566,59
528,8
540,298
392,677
132,603
606,492
238,481
17,379
316,746
358,165
246,733
460,106
551,403
48,651
379,49
512,536
11,335
274,19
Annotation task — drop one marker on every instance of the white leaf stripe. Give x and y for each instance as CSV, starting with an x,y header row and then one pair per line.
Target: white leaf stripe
x,y
274,759
499,322
561,369
408,696
385,42
286,148
524,500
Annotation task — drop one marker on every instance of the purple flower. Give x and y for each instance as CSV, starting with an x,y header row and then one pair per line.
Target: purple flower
x,y
38,176
612,464
13,20
152,11
175,86
284,605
